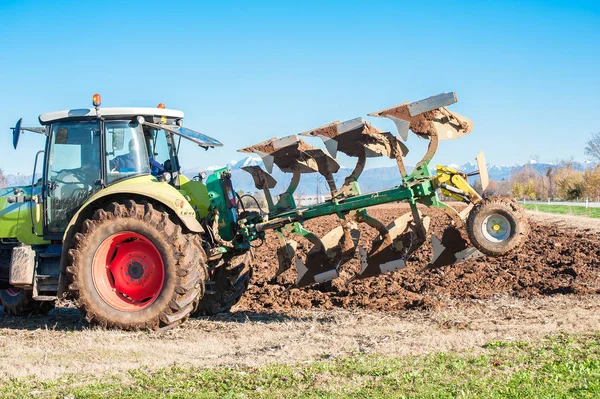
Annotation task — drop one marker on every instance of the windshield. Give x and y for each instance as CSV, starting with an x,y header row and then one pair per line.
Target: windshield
x,y
126,153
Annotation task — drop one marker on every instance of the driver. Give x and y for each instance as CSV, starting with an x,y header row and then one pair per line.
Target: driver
x,y
156,168
127,162
130,162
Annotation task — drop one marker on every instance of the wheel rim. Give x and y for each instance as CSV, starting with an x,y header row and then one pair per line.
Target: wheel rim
x,y
128,271
496,228
12,291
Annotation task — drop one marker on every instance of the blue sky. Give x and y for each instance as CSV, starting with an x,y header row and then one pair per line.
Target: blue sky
x,y
527,73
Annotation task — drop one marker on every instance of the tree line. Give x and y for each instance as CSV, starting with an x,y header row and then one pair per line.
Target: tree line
x,y
560,182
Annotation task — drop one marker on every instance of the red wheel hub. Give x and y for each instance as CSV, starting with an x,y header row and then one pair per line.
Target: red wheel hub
x,y
128,271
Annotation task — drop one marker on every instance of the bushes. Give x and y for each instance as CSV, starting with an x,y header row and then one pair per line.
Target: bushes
x,y
562,183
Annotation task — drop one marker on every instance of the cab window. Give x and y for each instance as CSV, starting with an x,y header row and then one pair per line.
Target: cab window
x,y
73,170
126,153
162,152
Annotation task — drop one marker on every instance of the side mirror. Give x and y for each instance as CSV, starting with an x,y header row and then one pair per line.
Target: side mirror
x,y
118,139
16,133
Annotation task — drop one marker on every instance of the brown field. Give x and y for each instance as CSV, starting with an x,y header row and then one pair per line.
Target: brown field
x,y
550,286
557,259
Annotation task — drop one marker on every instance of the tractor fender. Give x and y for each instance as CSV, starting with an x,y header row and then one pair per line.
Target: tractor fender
x,y
150,188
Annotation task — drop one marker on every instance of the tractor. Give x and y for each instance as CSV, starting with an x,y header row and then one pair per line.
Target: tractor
x,y
113,223
110,221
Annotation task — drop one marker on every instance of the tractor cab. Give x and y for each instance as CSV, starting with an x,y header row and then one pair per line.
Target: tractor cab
x,y
94,148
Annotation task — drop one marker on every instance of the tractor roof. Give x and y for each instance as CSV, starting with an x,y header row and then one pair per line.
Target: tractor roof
x,y
108,113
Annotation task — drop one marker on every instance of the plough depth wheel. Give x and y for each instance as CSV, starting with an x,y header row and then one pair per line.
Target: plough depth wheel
x,y
497,225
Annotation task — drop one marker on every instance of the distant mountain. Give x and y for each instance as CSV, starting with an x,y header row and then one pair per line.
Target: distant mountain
x,y
371,179
233,165
19,180
504,172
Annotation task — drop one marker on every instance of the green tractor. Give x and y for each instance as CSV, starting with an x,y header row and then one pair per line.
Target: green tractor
x,y
113,224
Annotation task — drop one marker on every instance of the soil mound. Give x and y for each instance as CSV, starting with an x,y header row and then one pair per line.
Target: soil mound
x,y
553,261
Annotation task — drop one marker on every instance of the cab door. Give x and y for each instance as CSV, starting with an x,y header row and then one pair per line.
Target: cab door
x,y
73,172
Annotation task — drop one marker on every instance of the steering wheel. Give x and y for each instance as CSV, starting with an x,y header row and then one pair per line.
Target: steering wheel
x,y
65,173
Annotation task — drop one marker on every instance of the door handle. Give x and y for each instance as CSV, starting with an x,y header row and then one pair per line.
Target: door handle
x,y
51,185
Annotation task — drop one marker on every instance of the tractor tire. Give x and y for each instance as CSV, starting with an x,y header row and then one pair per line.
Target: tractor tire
x,y
18,302
132,268
497,226
228,283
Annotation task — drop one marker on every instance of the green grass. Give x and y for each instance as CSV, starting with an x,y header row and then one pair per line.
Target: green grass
x,y
565,210
557,367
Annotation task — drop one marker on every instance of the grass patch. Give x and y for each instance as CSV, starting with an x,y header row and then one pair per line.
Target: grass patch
x,y
557,367
565,210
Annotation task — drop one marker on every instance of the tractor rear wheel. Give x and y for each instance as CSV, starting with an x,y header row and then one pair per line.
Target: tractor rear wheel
x,y
228,283
497,225
19,302
132,268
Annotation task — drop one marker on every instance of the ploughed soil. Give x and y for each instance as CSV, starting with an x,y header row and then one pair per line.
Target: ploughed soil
x,y
554,260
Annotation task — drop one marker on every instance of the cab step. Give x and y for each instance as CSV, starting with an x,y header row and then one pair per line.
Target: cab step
x,y
44,298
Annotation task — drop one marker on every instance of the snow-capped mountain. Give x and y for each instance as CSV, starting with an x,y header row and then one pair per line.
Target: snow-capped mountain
x,y
233,164
248,161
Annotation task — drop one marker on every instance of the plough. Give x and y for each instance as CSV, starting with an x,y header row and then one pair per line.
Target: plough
x,y
500,230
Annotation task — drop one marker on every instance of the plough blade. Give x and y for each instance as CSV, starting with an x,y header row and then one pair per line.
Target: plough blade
x,y
451,249
285,256
322,264
355,138
262,180
389,254
326,165
428,117
289,154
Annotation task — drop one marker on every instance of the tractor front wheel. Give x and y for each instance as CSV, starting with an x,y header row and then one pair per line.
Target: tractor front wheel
x,y
19,302
227,284
132,268
497,225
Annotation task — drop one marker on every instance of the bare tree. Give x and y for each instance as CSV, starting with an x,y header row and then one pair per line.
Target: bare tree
x,y
528,183
550,175
592,147
2,178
